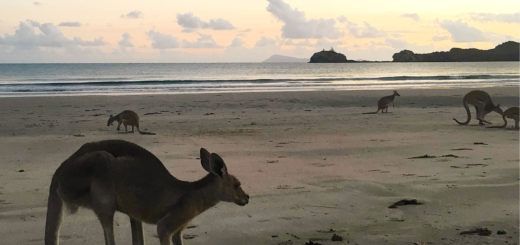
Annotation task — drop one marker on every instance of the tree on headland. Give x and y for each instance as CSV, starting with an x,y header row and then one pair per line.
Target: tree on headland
x,y
330,56
508,51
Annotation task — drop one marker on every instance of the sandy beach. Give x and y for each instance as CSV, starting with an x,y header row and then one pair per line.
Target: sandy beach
x,y
313,164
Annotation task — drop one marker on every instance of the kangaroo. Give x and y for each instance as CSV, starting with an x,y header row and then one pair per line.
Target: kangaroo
x,y
127,117
512,113
382,104
116,175
483,105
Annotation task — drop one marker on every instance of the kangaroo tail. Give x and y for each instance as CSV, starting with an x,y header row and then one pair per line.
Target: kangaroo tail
x,y
54,215
503,126
373,112
145,133
467,111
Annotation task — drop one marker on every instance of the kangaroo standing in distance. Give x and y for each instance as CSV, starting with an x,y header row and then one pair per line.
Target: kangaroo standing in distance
x,y
512,113
483,105
127,117
116,175
382,104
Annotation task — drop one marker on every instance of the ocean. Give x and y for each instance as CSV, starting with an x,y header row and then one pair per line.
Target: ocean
x,y
173,78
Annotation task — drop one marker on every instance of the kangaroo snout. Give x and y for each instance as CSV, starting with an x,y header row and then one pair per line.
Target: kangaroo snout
x,y
243,201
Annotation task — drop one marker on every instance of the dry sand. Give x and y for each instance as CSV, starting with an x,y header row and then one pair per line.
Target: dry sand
x,y
313,164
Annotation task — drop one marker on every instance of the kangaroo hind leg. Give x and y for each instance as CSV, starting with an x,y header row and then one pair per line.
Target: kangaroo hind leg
x,y
54,216
177,238
137,232
102,194
104,205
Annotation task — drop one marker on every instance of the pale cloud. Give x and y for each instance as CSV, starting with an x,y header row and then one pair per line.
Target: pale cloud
x,y
265,42
70,24
236,43
204,41
397,43
440,38
126,41
136,14
507,18
162,41
412,16
364,31
37,3
296,25
31,34
462,32
191,22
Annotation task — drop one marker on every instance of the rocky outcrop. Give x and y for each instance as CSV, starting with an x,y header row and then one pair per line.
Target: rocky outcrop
x,y
508,51
328,57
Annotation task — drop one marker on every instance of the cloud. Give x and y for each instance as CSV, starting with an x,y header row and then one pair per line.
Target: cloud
x,y
296,25
265,42
126,41
31,34
191,22
70,24
508,18
462,32
237,43
412,16
365,31
397,43
218,24
440,38
37,3
136,14
162,41
204,41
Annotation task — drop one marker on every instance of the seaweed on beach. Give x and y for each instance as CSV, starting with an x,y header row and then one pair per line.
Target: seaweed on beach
x,y
477,231
405,202
423,156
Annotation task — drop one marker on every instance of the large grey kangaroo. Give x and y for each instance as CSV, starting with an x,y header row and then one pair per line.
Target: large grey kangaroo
x,y
115,175
483,105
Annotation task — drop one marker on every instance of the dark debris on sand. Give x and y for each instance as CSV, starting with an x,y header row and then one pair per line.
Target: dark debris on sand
x,y
312,243
336,238
477,231
422,156
405,202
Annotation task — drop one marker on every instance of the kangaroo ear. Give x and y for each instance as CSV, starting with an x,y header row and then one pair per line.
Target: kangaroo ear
x,y
204,159
218,166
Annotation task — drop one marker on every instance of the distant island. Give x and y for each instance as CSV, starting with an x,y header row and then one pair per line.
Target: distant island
x,y
508,51
329,56
284,59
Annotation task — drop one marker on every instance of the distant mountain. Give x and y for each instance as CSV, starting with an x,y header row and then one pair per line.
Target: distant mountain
x,y
284,59
508,51
328,57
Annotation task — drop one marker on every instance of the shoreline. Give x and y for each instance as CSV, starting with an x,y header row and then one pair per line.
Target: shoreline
x,y
311,162
376,89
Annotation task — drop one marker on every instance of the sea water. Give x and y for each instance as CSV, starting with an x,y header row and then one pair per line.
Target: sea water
x,y
172,78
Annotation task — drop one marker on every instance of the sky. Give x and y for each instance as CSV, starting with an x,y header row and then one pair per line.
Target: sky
x,y
34,31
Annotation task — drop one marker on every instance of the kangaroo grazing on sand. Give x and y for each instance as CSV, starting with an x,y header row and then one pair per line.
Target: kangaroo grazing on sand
x,y
483,105
383,103
127,117
512,113
116,175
